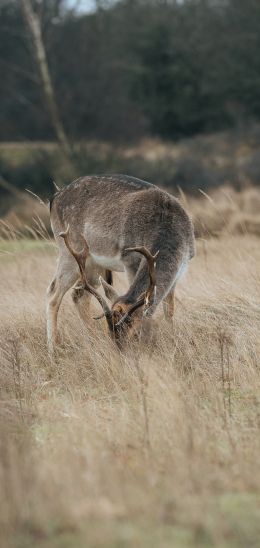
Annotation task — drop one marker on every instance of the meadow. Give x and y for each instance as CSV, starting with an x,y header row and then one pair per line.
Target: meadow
x,y
155,447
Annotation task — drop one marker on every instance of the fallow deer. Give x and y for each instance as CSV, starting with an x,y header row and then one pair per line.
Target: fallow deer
x,y
118,223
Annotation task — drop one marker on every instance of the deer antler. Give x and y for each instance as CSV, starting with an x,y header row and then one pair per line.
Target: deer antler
x,y
146,297
81,258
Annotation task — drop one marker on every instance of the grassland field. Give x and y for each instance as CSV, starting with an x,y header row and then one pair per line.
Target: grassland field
x,y
157,447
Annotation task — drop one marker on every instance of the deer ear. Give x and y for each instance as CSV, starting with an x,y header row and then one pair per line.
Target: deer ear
x,y
110,292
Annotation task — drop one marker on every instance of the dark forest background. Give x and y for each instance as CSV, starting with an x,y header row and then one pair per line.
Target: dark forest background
x,y
139,67
131,69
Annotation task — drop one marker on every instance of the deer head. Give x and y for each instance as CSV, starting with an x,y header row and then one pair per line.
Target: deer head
x,y
121,316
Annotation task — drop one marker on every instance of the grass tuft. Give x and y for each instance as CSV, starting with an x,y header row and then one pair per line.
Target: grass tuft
x,y
107,450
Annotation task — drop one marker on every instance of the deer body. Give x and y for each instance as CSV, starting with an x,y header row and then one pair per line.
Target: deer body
x,y
113,213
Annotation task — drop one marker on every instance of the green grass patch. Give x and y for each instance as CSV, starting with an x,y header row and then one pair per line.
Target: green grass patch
x,y
231,521
12,247
107,534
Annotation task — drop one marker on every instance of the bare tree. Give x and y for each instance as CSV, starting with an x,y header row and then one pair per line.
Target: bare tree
x,y
34,26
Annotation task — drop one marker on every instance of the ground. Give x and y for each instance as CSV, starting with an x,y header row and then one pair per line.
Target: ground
x,y
156,447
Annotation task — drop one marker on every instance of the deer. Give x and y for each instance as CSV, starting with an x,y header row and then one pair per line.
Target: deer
x,y
117,223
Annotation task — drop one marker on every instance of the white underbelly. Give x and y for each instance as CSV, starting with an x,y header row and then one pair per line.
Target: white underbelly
x,y
110,263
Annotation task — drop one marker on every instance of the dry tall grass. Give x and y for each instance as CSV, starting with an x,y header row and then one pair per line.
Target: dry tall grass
x,y
155,448
215,213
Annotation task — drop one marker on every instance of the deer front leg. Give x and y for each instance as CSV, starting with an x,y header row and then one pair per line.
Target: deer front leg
x,y
55,293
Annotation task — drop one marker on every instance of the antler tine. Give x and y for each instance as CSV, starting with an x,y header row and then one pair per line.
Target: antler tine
x,y
81,258
141,301
151,260
144,298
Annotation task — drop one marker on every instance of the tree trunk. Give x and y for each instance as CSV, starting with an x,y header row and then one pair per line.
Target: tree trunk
x,y
33,23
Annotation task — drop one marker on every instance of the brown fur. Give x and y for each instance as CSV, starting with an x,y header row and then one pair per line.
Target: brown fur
x,y
115,212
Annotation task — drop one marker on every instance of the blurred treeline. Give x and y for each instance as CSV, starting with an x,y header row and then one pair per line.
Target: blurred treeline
x,y
131,69
138,67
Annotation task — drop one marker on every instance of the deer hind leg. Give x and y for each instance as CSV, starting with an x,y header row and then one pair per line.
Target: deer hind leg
x,y
168,306
65,277
81,300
